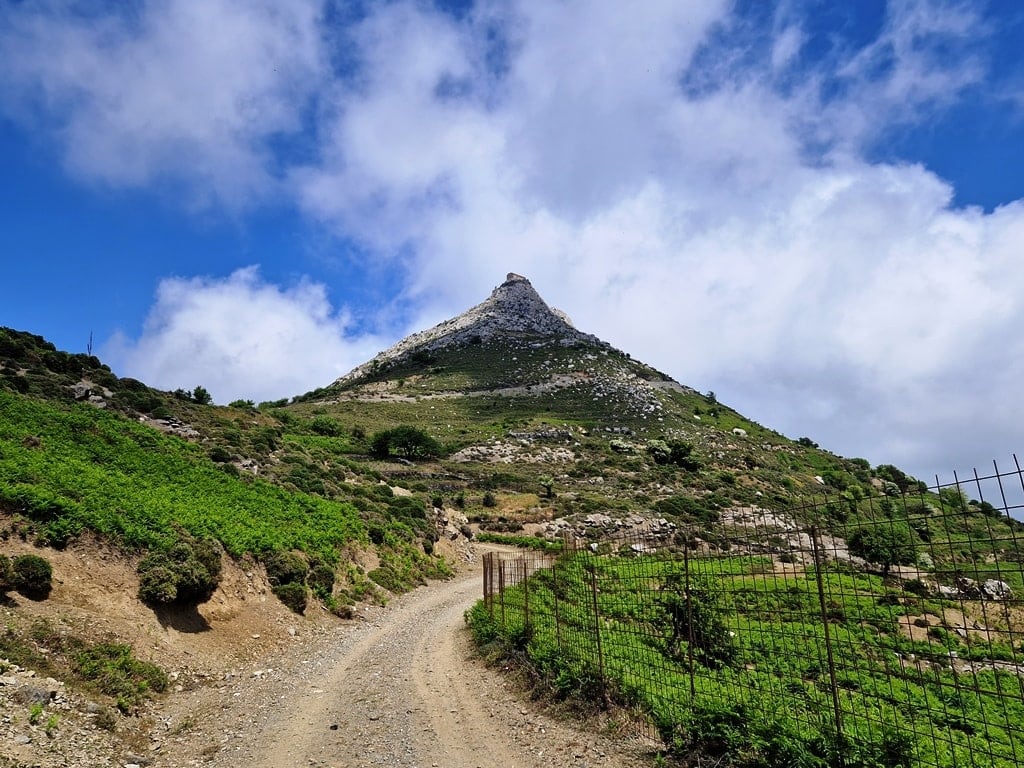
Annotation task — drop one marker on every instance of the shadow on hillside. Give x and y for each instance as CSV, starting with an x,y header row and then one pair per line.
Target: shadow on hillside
x,y
183,618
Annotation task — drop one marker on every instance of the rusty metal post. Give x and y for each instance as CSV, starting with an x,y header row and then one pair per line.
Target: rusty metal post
x,y
558,618
833,682
501,588
689,621
526,595
597,628
488,565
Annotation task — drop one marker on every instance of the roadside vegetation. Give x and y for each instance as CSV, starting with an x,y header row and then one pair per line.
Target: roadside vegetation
x,y
727,660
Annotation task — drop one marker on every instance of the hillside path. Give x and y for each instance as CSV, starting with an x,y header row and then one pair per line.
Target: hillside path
x,y
402,689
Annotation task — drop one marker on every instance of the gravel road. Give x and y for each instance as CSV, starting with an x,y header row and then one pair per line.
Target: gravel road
x,y
401,689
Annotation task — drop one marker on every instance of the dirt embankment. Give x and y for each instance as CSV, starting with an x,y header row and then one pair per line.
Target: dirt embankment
x,y
255,685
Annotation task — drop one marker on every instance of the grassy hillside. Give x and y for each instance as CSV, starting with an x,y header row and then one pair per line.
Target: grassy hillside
x,y
81,449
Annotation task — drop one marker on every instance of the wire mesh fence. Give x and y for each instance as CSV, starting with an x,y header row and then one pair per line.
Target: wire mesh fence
x,y
853,630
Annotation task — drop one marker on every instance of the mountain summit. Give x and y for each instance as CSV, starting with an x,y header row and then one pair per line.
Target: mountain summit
x,y
513,312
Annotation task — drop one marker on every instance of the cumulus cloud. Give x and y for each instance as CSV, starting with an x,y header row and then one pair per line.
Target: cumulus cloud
x,y
241,338
733,234
696,187
188,91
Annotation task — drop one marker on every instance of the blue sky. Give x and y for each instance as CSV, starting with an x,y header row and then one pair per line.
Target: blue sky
x,y
815,209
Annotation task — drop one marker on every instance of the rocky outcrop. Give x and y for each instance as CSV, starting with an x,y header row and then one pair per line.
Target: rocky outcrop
x,y
513,310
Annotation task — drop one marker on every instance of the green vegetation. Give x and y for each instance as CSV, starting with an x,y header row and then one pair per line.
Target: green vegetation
x,y
186,572
6,574
728,658
404,441
725,659
87,469
113,669
887,544
32,576
287,573
109,668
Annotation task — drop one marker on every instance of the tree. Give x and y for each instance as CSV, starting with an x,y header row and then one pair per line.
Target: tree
x,y
547,482
694,617
405,441
887,544
202,396
896,476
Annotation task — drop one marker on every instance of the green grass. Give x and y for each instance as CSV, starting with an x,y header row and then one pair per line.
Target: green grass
x,y
71,467
768,700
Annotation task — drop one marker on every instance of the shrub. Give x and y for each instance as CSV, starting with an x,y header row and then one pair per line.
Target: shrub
x,y
286,568
321,580
6,574
694,615
293,595
489,500
113,669
187,572
219,454
158,585
326,426
689,509
32,576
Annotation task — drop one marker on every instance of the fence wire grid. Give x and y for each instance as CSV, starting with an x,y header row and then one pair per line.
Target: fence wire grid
x,y
886,630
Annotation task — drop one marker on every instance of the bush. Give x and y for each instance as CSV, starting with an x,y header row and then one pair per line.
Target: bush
x,y
326,426
187,572
158,585
286,568
32,576
689,509
113,669
6,574
696,616
293,595
321,580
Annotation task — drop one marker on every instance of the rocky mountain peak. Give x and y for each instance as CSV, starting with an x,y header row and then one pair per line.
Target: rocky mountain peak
x,y
513,311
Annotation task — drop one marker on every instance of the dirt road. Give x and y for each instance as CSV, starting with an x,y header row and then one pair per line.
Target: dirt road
x,y
402,689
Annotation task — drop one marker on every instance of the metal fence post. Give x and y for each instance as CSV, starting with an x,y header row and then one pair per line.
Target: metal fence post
x,y
818,562
554,595
501,588
488,564
526,595
597,628
689,621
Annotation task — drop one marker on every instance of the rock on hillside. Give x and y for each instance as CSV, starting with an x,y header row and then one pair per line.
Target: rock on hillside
x,y
514,309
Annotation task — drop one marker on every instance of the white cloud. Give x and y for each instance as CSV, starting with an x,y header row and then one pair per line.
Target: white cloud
x,y
923,60
190,91
241,338
708,205
825,295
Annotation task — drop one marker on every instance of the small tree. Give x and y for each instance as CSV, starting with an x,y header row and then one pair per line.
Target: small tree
x,y
887,544
694,617
547,482
202,396
408,442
